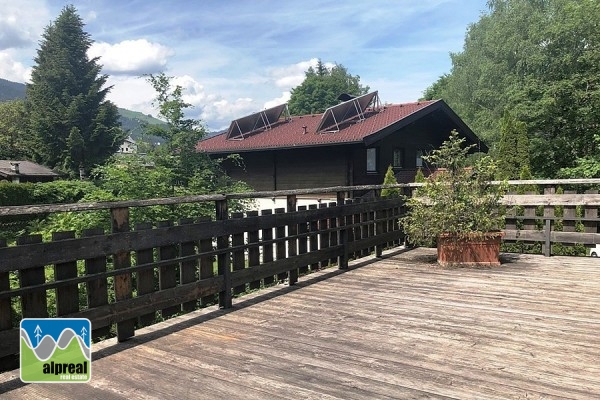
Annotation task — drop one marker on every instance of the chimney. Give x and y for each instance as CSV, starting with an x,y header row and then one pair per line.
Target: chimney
x,y
14,167
304,130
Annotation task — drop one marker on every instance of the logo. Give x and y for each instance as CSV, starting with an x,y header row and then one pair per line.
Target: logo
x,y
56,350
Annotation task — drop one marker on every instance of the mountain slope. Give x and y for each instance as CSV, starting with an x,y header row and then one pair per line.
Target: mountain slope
x,y
11,90
131,121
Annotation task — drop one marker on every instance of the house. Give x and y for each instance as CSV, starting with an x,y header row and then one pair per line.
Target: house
x,y
25,171
352,143
128,147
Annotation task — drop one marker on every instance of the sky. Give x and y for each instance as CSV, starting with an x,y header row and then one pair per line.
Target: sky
x,y
233,58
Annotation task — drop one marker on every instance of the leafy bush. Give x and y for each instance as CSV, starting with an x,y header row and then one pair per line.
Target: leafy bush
x,y
457,199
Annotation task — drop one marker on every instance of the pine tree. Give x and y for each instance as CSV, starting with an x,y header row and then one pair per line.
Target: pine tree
x,y
67,99
419,176
390,179
513,152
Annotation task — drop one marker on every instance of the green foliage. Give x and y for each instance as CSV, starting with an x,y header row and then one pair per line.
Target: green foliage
x,y
513,149
13,131
181,134
457,199
525,175
175,169
586,167
55,192
538,60
71,122
419,176
321,88
15,194
390,179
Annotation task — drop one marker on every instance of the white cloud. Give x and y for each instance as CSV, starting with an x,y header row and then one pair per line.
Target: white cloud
x,y
290,76
133,93
193,91
21,23
219,113
284,98
131,57
13,70
91,16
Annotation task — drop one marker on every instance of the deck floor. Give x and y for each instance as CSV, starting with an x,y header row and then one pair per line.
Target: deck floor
x,y
397,328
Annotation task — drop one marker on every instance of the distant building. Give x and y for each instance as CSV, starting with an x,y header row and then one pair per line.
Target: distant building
x,y
350,144
128,147
18,171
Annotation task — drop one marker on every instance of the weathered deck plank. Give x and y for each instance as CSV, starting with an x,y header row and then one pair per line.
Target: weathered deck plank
x,y
397,328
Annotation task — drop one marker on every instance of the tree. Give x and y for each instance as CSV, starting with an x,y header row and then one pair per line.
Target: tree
x,y
390,179
513,149
538,60
321,88
181,134
72,123
13,131
457,199
419,176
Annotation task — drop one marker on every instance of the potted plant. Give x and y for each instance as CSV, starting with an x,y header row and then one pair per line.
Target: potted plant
x,y
457,207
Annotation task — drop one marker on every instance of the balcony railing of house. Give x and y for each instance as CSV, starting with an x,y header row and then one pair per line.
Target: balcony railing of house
x,y
131,276
126,278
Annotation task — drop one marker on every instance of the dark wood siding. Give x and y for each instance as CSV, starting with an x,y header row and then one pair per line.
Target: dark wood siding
x,y
257,170
293,169
309,168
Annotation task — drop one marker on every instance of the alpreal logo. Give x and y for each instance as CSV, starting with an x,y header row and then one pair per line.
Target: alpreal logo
x,y
56,350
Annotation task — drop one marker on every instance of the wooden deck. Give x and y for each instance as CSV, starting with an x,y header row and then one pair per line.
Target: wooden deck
x,y
398,328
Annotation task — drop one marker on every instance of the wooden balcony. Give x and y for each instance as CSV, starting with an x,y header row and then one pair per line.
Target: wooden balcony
x,y
398,327
391,327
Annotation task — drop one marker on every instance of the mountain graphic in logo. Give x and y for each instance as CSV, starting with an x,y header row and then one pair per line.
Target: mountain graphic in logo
x,y
55,350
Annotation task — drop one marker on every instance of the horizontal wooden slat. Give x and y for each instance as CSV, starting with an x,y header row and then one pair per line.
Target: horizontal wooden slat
x,y
551,200
557,237
279,266
131,308
374,241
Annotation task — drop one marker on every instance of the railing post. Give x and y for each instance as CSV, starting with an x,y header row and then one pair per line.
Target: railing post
x,y
223,258
67,297
547,233
97,290
292,243
343,240
122,283
379,230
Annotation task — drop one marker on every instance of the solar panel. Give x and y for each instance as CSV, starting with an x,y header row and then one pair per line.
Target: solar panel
x,y
353,109
263,120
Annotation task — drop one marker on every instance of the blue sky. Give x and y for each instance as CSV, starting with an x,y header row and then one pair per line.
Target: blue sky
x,y
238,57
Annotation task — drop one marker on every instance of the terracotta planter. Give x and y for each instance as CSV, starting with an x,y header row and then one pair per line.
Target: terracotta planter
x,y
469,251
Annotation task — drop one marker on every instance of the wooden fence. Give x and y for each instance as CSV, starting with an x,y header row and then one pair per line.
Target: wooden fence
x,y
549,213
127,278
566,214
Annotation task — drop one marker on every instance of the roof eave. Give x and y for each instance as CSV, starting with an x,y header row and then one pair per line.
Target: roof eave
x,y
306,146
435,106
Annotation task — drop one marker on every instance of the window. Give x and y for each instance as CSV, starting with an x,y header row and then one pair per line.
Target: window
x,y
398,158
419,158
372,160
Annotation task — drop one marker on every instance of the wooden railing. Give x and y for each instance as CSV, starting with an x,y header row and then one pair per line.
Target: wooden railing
x,y
568,218
129,277
538,214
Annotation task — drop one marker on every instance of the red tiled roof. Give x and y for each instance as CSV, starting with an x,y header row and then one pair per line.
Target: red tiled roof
x,y
291,134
